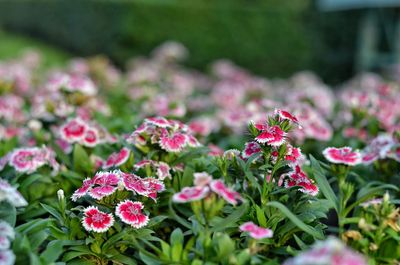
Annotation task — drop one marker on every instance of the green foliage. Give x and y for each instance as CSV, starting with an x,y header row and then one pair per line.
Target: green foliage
x,y
267,37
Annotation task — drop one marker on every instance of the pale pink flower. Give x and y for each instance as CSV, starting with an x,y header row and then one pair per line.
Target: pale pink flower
x,y
189,194
256,231
228,194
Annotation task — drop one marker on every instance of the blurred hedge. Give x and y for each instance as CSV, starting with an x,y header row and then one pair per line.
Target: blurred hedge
x,y
266,36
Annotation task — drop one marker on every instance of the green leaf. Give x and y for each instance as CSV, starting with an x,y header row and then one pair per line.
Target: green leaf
x,y
82,161
300,224
323,184
262,220
231,219
176,242
8,213
52,211
53,250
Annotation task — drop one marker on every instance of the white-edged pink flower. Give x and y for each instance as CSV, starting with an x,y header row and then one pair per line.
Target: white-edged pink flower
x,y
74,130
285,115
202,179
28,160
131,213
163,170
91,137
256,231
148,187
271,135
343,155
117,158
96,220
228,194
24,160
298,178
82,191
250,149
189,194
174,143
159,122
104,184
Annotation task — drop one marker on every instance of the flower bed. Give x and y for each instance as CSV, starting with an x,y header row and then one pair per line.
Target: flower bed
x,y
165,165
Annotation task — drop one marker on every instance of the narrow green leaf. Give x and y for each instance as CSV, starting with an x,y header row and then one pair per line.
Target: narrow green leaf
x,y
300,224
323,184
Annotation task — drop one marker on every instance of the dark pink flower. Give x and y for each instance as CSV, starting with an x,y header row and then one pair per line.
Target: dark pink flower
x,y
298,178
256,231
285,115
74,130
131,213
82,191
272,135
189,194
97,221
104,184
174,143
117,159
343,155
148,187
228,194
250,149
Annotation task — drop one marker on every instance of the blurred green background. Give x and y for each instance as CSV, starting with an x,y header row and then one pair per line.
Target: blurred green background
x,y
274,38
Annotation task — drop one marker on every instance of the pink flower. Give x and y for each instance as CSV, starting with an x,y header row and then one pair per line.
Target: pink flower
x,y
343,155
148,187
159,122
74,130
229,195
331,251
117,159
91,138
272,135
250,149
163,171
82,191
189,194
131,213
300,179
97,221
23,160
101,185
202,179
104,184
215,150
256,231
174,143
285,115
28,160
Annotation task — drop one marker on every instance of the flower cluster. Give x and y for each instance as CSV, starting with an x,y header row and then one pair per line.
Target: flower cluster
x,y
83,132
104,184
170,135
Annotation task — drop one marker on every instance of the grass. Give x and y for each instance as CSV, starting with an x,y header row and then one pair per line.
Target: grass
x,y
12,45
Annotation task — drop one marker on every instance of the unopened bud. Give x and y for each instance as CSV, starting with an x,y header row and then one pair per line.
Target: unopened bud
x,y
60,194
